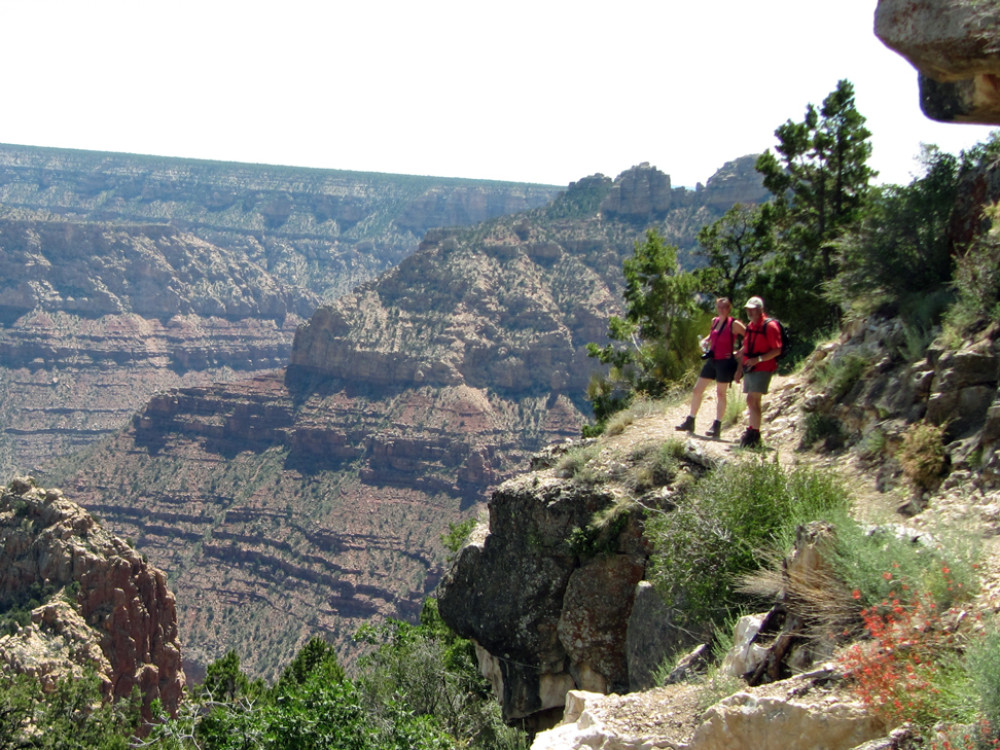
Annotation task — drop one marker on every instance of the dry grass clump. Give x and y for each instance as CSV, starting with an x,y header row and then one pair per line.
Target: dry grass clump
x,y
923,455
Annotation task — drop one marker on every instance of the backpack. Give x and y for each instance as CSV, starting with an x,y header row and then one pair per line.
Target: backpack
x,y
785,339
783,330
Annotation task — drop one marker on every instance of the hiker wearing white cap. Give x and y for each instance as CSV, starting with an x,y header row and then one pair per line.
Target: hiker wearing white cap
x,y
758,360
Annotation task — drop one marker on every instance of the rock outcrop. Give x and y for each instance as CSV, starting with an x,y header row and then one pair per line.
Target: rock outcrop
x,y
736,181
955,46
94,601
580,611
563,626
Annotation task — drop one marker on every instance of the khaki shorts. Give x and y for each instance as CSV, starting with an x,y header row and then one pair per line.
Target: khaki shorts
x,y
756,382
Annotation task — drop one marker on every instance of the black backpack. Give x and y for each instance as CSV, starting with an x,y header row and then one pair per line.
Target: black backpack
x,y
785,339
782,329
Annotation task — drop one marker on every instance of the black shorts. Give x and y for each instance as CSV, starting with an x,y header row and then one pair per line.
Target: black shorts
x,y
719,370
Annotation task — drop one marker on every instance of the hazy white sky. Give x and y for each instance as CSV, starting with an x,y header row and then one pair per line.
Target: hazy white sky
x,y
544,91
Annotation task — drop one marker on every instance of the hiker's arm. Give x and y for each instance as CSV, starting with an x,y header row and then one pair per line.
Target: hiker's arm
x,y
769,354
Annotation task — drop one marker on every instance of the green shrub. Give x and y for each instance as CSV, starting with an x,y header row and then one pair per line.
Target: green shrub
x,y
880,563
729,525
458,535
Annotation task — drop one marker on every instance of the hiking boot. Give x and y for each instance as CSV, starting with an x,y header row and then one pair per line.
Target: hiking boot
x,y
715,430
687,425
750,439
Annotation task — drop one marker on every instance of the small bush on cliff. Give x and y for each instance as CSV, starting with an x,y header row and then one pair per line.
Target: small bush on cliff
x,y
977,281
457,536
728,526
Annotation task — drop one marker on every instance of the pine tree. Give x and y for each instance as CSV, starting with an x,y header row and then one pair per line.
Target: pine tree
x,y
820,182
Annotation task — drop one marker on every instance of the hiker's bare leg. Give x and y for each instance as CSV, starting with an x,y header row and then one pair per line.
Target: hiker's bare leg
x,y
754,409
720,400
696,396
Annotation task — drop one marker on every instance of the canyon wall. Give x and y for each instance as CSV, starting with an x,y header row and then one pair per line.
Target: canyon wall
x,y
124,275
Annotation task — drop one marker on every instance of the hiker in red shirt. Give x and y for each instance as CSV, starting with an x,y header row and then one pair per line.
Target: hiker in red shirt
x,y
720,366
758,362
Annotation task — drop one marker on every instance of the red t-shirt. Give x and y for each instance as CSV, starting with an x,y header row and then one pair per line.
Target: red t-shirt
x,y
762,338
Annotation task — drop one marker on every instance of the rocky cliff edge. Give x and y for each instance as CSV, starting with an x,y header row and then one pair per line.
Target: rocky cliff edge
x,y
93,602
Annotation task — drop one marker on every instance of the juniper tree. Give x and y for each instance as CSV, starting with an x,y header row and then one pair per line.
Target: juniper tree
x,y
653,343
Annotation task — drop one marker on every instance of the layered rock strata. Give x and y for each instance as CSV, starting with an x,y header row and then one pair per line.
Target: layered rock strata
x,y
124,275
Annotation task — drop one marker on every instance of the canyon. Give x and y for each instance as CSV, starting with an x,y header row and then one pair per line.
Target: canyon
x,y
308,500
124,275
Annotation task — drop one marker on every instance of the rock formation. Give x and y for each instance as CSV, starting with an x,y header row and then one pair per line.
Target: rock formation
x,y
955,46
317,496
564,624
95,602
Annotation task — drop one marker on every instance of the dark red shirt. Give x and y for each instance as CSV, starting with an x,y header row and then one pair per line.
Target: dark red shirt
x,y
762,338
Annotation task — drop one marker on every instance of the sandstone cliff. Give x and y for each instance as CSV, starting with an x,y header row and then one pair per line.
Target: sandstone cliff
x,y
309,501
94,601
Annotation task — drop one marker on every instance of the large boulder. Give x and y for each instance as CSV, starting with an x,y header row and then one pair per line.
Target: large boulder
x,y
805,712
550,616
955,46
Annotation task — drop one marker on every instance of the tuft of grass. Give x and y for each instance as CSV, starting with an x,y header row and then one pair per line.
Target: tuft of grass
x,y
638,409
838,375
736,406
729,525
656,464
923,455
576,464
